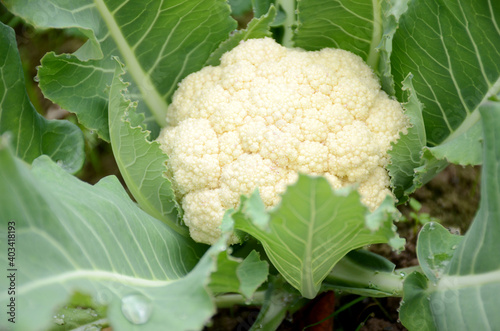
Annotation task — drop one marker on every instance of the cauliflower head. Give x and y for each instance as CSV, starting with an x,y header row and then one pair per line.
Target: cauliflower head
x,y
268,112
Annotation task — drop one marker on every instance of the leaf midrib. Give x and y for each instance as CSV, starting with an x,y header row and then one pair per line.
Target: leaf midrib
x,y
156,104
96,275
447,283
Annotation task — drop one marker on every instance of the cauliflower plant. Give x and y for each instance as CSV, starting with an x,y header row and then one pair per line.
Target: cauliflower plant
x,y
265,114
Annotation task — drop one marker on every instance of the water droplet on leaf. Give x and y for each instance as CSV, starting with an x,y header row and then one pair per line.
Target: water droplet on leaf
x,y
58,320
136,308
36,79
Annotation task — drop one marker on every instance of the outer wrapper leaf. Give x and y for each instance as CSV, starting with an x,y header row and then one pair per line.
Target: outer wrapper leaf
x,y
141,162
31,134
391,12
462,286
452,48
312,229
71,236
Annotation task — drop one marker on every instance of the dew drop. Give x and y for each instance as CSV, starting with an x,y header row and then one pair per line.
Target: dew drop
x,y
58,320
402,274
137,308
36,79
67,56
454,247
431,226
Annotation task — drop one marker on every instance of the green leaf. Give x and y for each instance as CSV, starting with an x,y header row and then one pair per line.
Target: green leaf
x,y
479,250
71,236
141,162
312,229
160,45
355,26
462,292
452,48
31,134
416,299
280,298
452,51
391,12
240,7
61,81
239,276
257,28
407,168
436,246
453,151
261,7
80,311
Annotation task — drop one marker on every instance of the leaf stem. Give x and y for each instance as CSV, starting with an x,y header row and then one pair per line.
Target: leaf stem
x,y
155,102
347,275
229,300
288,7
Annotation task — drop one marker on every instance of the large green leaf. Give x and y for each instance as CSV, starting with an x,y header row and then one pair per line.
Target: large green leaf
x,y
452,48
32,135
161,42
355,26
452,51
312,229
71,236
461,285
141,162
406,153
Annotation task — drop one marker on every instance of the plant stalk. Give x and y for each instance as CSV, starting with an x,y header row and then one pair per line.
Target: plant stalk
x,y
229,300
348,275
